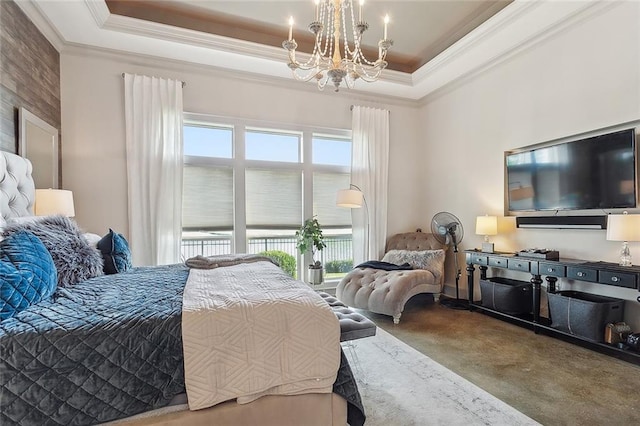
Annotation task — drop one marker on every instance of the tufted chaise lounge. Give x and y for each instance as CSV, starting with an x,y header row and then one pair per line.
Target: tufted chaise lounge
x,y
386,292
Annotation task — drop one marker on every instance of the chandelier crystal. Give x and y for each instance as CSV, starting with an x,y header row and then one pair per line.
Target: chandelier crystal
x,y
327,63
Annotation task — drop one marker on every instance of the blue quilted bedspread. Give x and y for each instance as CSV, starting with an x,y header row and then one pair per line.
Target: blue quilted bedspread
x,y
97,352
100,351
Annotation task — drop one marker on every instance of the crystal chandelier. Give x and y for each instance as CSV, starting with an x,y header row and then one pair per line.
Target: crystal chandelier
x,y
326,63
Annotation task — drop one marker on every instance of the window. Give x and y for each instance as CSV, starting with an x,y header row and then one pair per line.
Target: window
x,y
207,198
334,151
203,141
248,188
268,146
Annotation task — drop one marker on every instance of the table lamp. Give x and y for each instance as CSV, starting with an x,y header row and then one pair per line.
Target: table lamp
x,y
54,201
487,225
624,227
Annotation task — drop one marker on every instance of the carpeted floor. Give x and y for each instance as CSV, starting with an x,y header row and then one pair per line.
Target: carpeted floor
x,y
552,381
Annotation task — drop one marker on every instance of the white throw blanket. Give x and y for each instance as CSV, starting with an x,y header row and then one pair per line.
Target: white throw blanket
x,y
250,330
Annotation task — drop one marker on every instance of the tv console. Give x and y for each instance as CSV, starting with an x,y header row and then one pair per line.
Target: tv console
x,y
604,273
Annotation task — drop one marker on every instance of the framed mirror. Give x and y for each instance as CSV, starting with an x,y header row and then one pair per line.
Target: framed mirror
x,y
39,143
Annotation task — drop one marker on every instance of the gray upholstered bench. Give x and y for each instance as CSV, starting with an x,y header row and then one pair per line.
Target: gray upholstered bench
x,y
352,324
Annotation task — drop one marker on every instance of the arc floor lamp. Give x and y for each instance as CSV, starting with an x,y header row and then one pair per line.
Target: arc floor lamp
x,y
353,198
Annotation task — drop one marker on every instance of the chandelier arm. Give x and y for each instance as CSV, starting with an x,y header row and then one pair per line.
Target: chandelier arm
x,y
306,77
382,54
368,79
322,81
311,63
367,76
365,61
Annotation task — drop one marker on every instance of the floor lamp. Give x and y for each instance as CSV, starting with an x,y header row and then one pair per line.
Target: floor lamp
x,y
353,198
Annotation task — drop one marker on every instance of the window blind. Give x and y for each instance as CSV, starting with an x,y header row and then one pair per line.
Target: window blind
x,y
207,198
325,190
273,198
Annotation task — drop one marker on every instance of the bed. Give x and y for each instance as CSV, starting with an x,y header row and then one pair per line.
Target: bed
x,y
117,348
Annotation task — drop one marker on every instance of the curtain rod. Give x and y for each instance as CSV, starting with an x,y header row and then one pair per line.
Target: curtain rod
x,y
351,109
184,84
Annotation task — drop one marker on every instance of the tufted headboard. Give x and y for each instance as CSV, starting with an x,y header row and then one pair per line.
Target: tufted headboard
x,y
413,241
17,189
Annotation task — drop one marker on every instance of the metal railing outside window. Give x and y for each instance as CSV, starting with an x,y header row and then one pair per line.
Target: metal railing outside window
x,y
339,247
205,246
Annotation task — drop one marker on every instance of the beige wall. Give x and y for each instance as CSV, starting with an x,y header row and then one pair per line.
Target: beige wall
x,y
93,127
585,77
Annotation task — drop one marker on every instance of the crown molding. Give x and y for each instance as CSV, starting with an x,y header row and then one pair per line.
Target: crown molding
x,y
186,36
523,14
490,27
40,20
99,11
175,68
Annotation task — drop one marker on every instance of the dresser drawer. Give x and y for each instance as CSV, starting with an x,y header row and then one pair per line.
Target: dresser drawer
x,y
479,259
498,262
619,279
519,265
582,274
553,269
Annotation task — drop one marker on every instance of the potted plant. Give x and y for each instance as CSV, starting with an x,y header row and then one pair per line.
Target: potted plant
x,y
309,238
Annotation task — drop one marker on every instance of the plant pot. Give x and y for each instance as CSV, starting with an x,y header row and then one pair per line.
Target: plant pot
x,y
315,276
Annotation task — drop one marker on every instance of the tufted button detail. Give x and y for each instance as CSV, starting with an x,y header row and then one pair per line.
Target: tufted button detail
x,y
352,324
17,186
413,241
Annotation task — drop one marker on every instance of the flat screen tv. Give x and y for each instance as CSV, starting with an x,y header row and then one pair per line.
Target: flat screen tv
x,y
599,172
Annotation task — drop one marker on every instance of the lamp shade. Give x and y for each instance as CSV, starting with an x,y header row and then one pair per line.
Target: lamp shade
x,y
350,198
623,227
487,225
54,201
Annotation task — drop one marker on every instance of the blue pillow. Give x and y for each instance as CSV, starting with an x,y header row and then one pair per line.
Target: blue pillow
x,y
27,272
115,252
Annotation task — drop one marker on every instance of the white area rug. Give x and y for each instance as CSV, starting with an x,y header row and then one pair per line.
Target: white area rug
x,y
401,386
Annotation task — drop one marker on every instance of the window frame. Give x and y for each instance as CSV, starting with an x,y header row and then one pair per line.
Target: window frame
x,y
240,164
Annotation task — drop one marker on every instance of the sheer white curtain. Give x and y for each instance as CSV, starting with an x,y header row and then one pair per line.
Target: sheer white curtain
x,y
153,118
369,171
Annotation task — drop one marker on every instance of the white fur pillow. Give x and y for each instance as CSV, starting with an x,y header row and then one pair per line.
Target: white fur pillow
x,y
431,260
92,239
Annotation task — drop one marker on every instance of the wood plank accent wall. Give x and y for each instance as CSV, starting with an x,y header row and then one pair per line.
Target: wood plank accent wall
x,y
29,74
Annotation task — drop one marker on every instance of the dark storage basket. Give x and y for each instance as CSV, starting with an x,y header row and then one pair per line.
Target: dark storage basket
x,y
583,314
506,295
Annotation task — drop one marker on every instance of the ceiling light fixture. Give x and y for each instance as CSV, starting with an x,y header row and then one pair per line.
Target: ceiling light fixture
x,y
326,62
